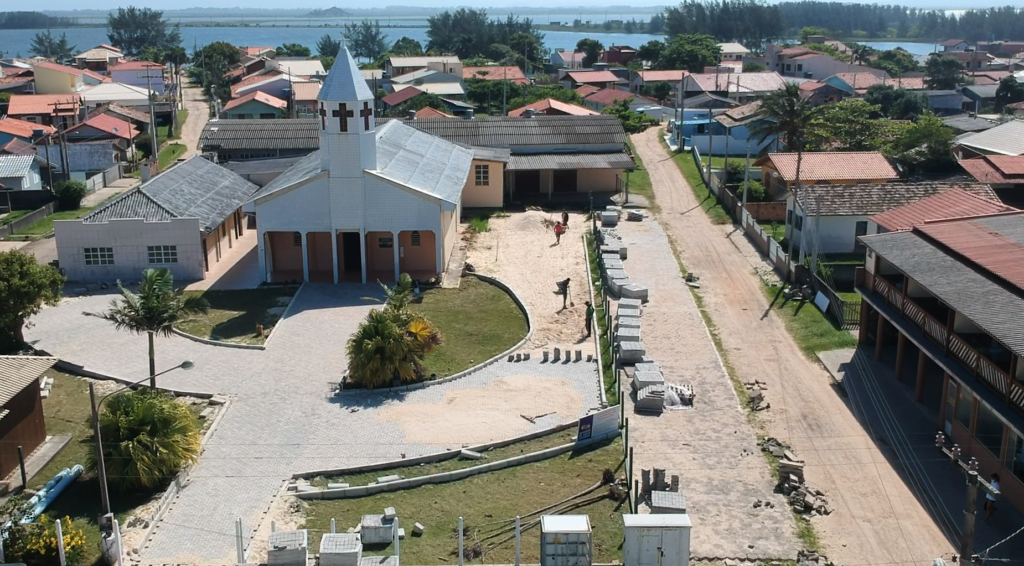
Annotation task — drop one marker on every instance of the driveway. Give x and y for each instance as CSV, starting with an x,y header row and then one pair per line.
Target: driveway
x,y
282,418
876,518
198,115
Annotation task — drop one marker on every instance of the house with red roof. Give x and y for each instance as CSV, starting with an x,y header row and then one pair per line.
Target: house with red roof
x,y
1004,172
255,105
105,128
778,170
14,129
552,107
601,99
600,79
618,55
954,45
51,78
510,73
941,310
142,74
60,110
647,78
567,59
806,63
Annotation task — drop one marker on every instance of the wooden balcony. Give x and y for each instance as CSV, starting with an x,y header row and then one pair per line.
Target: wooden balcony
x,y
954,345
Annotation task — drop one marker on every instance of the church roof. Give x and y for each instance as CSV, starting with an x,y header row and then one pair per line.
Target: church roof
x,y
345,82
422,161
508,131
307,168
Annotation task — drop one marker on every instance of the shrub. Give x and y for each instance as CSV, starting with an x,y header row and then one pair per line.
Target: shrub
x,y
144,145
755,192
70,194
36,543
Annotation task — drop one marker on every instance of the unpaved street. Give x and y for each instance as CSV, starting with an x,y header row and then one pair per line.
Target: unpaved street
x,y
876,518
198,115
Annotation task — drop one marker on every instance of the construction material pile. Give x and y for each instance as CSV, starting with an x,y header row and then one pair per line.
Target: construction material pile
x,y
802,498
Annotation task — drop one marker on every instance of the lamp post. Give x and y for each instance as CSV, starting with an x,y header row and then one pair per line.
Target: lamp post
x,y
104,492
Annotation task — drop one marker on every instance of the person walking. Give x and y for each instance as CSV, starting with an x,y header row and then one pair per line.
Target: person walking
x,y
559,230
563,288
990,500
589,317
565,220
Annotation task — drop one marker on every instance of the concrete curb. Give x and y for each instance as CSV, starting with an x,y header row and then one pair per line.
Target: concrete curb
x,y
74,369
218,343
423,384
445,477
596,332
432,458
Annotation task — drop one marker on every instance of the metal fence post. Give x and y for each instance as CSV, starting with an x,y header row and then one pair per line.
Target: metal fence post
x,y
60,542
517,539
461,553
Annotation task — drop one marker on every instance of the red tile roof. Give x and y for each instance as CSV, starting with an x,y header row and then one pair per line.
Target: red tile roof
x,y
61,68
97,76
17,147
996,169
111,125
306,91
592,77
796,51
136,66
982,245
586,90
943,206
31,104
258,96
396,98
427,112
512,74
662,76
21,128
557,106
609,96
110,47
832,166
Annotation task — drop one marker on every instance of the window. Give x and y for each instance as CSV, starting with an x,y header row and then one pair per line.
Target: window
x,y
297,239
789,217
862,228
789,67
1015,456
415,237
700,128
798,222
964,406
99,256
799,67
989,429
951,391
483,175
387,242
162,254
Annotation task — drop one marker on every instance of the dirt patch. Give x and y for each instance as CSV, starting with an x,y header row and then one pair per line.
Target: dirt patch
x,y
520,250
286,514
485,414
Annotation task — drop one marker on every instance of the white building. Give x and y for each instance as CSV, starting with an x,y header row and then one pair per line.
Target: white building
x,y
183,219
20,173
371,202
733,51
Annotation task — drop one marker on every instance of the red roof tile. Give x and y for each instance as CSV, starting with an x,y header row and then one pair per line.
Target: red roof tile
x,y
21,128
136,66
61,68
662,76
996,169
396,98
609,96
981,245
943,206
832,166
592,77
31,104
512,74
17,147
97,76
427,112
306,91
559,107
258,96
110,125
586,90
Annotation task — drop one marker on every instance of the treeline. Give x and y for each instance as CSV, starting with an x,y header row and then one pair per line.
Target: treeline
x,y
470,32
32,20
750,22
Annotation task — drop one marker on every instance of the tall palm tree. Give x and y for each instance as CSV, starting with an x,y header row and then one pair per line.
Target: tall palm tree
x,y
154,310
787,115
861,54
147,438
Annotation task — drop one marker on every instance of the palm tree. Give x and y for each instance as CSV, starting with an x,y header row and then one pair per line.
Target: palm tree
x,y
154,310
787,115
147,438
861,54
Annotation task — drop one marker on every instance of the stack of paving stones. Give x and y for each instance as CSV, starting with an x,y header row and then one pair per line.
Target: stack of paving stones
x,y
803,498
613,253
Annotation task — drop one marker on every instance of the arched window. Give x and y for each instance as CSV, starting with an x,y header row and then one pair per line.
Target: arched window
x,y
415,237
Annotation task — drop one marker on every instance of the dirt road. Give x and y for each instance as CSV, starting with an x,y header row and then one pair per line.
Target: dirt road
x,y
876,518
198,115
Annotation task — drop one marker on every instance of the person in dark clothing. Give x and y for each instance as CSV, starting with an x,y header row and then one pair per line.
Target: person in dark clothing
x,y
565,220
563,288
589,317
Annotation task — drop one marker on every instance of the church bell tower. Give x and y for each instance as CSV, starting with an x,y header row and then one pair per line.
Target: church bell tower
x,y
345,110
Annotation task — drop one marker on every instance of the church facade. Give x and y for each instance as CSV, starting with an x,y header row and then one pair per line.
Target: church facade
x,y
371,203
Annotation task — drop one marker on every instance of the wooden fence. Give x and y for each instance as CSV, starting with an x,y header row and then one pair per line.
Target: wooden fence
x,y
845,313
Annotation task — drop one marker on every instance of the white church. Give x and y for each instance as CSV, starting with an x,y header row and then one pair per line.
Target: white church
x,y
372,202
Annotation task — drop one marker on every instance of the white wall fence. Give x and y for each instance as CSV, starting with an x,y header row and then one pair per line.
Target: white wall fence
x,y
104,178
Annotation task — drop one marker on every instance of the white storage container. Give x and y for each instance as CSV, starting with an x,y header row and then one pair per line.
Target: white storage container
x,y
288,548
656,540
565,540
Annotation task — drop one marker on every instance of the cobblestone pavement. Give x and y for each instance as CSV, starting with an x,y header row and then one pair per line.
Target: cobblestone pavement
x,y
712,446
281,419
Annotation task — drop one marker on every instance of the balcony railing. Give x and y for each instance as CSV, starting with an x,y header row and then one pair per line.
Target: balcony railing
x,y
979,365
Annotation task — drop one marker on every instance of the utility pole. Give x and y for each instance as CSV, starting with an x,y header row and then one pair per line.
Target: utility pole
x,y
746,180
974,485
154,142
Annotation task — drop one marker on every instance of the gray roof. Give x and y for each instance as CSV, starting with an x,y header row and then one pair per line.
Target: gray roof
x,y
968,123
993,307
870,199
491,153
344,82
16,165
1006,139
196,188
19,372
422,161
307,167
508,131
981,91
299,133
619,160
256,166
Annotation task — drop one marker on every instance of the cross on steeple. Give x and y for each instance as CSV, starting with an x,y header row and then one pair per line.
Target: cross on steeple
x,y
323,117
365,113
343,114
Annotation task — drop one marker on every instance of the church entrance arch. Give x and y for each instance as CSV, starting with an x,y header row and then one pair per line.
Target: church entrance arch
x,y
350,261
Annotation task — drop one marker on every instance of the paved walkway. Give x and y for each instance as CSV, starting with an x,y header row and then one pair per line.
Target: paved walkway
x,y
281,419
712,447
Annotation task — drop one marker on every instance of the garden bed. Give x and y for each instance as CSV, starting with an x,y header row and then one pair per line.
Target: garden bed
x,y
234,315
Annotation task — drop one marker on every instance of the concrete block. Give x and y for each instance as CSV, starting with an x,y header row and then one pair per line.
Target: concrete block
x,y
634,291
613,263
389,479
609,218
401,533
519,357
526,356
642,379
621,312
631,352
579,355
389,513
417,529
627,335
334,485
628,322
667,502
612,274
544,356
630,303
647,366
511,357
470,455
557,355
617,285
207,413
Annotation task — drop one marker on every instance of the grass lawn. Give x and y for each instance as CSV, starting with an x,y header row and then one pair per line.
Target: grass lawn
x,y
161,131
233,315
607,371
707,200
170,153
478,321
776,230
812,331
45,226
495,455
719,162
640,180
11,217
486,498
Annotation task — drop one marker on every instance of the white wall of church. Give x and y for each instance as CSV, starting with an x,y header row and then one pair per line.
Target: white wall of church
x,y
306,209
389,208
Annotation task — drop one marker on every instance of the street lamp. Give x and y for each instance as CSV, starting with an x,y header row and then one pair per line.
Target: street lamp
x,y
104,492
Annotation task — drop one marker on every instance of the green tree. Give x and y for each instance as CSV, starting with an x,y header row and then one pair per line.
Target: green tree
x,y
789,116
943,72
1008,92
809,31
848,125
656,24
44,44
650,51
532,93
896,103
327,62
633,122
25,286
753,67
406,47
591,49
293,50
896,62
70,193
210,65
148,437
924,146
528,50
154,310
418,102
657,91
133,29
692,52
392,342
366,39
327,46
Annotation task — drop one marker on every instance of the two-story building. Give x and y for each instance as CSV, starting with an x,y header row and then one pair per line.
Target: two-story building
x,y
739,87
953,45
733,51
618,55
398,66
942,304
99,58
51,78
803,62
567,59
58,110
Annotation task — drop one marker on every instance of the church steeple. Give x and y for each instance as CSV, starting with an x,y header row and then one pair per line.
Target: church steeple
x,y
345,108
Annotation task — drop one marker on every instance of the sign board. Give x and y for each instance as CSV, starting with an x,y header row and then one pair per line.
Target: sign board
x,y
598,425
821,301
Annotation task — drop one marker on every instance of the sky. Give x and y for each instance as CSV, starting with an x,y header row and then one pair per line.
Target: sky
x,y
570,4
